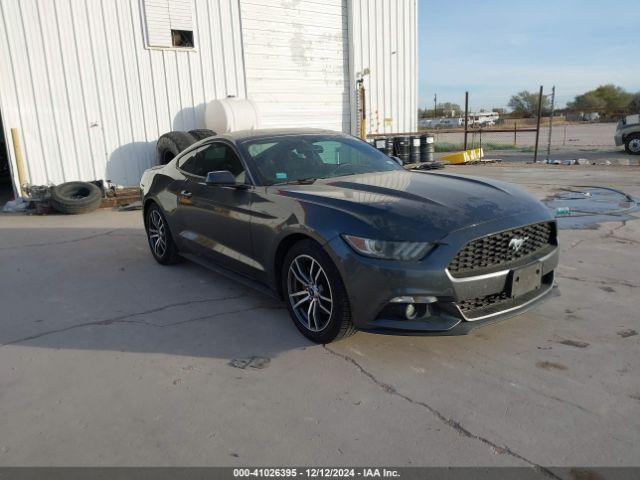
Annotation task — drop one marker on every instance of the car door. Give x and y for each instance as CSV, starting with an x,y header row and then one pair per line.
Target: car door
x,y
216,220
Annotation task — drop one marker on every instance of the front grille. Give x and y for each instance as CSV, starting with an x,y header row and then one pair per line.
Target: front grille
x,y
498,302
492,252
480,303
495,304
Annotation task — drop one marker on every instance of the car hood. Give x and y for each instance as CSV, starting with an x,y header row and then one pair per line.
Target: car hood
x,y
418,206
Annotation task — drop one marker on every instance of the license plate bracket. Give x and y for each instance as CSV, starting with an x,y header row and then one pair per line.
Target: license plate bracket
x,y
526,279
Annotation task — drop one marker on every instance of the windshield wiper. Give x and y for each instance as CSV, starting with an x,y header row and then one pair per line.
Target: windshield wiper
x,y
300,181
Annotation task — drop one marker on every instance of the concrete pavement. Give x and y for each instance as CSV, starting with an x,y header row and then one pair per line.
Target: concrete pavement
x,y
108,358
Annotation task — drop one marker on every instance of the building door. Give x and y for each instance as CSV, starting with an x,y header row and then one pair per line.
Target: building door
x,y
297,62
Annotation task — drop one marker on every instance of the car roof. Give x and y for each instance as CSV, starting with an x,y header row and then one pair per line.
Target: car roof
x,y
244,135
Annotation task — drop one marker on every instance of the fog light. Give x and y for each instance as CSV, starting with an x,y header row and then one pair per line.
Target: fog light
x,y
414,299
410,311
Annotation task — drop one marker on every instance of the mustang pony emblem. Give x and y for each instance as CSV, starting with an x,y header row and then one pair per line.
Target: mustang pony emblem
x,y
516,243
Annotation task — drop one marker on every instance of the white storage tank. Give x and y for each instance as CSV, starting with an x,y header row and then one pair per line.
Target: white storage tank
x,y
231,115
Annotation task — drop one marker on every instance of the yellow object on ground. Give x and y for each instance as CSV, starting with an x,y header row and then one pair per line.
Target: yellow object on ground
x,y
474,155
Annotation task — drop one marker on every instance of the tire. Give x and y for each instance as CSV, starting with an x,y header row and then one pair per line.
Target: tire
x,y
171,144
330,320
202,133
76,197
155,218
632,144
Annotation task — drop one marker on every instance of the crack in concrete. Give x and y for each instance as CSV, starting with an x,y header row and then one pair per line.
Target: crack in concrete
x,y
620,283
624,239
61,242
611,234
455,425
126,318
206,317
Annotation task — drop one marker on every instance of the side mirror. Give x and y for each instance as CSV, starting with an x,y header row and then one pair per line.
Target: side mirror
x,y
398,160
221,178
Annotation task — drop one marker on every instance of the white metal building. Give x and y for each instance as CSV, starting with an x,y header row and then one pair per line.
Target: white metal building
x,y
91,84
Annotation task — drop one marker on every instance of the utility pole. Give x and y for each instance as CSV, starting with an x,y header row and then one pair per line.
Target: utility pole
x,y
435,104
535,153
466,118
553,103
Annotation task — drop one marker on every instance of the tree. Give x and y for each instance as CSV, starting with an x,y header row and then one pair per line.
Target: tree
x,y
634,104
588,101
608,99
444,110
447,107
525,103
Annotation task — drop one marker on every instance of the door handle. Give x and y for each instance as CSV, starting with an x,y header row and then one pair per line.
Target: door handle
x,y
186,193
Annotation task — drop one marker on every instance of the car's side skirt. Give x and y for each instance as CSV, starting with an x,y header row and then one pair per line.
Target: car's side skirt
x,y
246,281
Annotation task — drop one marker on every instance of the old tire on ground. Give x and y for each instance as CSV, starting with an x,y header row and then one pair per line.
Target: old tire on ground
x,y
171,144
315,294
202,133
632,144
75,197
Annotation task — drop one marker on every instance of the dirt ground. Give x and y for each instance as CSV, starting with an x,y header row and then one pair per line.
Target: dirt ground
x,y
564,137
107,358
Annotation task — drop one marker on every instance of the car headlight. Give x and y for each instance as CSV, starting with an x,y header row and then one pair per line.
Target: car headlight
x,y
405,251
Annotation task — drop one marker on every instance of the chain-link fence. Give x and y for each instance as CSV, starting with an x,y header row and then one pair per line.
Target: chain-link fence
x,y
499,130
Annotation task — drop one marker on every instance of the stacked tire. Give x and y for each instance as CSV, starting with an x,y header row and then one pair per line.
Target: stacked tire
x,y
171,144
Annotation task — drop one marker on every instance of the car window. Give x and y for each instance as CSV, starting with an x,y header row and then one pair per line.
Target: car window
x,y
337,153
329,152
211,158
291,158
187,162
258,148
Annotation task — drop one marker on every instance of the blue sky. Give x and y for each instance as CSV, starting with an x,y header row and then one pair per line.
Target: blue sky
x,y
495,48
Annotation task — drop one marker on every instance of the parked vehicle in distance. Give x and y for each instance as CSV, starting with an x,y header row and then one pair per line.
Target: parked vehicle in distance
x,y
349,239
451,122
628,134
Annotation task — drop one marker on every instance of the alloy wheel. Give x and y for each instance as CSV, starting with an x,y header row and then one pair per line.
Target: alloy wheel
x,y
157,234
634,145
309,293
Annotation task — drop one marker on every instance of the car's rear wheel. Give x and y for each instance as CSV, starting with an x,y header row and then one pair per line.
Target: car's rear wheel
x,y
315,294
632,144
161,243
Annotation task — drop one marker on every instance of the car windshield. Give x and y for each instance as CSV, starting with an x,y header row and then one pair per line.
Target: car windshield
x,y
305,158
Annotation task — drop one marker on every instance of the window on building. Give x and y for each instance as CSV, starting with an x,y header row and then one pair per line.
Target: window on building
x,y
169,23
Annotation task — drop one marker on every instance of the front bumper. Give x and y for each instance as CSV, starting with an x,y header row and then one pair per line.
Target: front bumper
x,y
618,139
373,284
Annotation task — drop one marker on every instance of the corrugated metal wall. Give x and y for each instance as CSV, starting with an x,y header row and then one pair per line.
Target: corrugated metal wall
x,y
297,61
90,100
383,39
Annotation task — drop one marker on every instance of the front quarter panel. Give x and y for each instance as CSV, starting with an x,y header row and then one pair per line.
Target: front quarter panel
x,y
277,216
163,185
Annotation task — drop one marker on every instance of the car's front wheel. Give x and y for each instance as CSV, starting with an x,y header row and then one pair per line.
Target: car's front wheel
x,y
161,243
315,294
632,144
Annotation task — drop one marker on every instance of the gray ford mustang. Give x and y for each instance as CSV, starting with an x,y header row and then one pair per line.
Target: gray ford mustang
x,y
348,238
